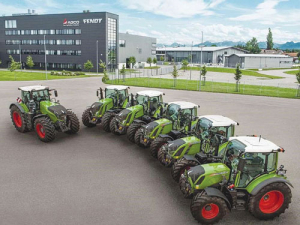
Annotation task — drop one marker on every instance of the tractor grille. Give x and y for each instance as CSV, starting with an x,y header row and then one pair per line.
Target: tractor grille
x,y
59,111
95,107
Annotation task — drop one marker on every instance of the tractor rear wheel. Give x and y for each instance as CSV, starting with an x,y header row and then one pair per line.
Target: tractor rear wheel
x,y
270,201
112,126
132,129
180,166
72,122
162,157
208,209
139,135
18,118
157,144
44,129
106,120
86,116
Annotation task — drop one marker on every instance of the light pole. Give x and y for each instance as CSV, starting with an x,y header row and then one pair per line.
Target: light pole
x,y
201,63
97,56
191,60
201,47
45,56
20,53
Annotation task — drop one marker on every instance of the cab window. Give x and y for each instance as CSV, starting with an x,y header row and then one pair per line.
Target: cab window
x,y
204,124
40,95
172,112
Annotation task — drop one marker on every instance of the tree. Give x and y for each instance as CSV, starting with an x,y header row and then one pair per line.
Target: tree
x,y
162,58
238,76
185,63
14,65
213,45
203,73
132,61
270,40
252,46
298,79
298,55
154,60
175,73
123,71
149,61
88,65
29,62
103,67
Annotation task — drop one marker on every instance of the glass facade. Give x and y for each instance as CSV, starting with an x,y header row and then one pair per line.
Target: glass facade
x,y
112,44
41,42
42,52
70,66
42,32
122,43
10,24
194,56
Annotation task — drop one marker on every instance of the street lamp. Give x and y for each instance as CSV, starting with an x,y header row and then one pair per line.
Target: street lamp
x,y
20,53
97,56
45,56
191,60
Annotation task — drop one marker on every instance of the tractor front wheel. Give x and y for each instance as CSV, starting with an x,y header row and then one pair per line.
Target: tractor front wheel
x,y
86,116
208,209
106,120
18,119
72,122
132,129
157,144
162,156
139,135
112,125
270,201
180,166
44,129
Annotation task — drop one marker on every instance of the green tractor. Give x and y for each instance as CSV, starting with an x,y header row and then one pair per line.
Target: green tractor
x,y
179,120
210,134
148,106
246,178
116,99
36,110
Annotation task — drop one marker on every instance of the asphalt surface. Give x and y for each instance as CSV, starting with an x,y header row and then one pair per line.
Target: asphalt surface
x,y
95,177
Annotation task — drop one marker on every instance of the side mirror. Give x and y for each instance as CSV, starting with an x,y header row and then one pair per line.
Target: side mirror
x,y
55,93
97,93
241,165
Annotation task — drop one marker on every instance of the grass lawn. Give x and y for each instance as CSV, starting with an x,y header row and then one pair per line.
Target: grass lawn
x,y
152,67
271,69
219,87
26,76
293,72
232,70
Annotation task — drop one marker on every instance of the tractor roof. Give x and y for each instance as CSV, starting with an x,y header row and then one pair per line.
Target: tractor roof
x,y
117,87
219,121
150,93
257,144
36,88
184,105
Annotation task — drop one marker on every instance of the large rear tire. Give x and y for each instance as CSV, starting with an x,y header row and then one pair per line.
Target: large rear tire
x,y
106,120
44,129
270,201
113,126
132,129
73,122
86,116
157,144
18,118
208,209
180,166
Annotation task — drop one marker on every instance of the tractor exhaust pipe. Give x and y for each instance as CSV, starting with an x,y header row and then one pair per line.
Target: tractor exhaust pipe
x,y
101,93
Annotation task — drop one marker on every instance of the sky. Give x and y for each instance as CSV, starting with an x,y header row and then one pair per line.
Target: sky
x,y
183,21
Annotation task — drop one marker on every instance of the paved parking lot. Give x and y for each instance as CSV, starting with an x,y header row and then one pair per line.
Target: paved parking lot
x,y
97,178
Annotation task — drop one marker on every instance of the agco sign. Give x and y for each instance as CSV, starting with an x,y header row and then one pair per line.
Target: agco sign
x,y
71,23
92,20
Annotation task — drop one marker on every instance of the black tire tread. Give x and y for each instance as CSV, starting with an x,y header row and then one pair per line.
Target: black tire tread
x,y
132,129
75,125
106,120
86,118
112,126
161,156
24,127
179,165
48,127
137,136
157,143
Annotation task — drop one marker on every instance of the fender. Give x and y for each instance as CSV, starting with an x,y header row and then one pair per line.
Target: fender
x,y
191,158
38,116
18,105
139,121
269,181
165,136
210,191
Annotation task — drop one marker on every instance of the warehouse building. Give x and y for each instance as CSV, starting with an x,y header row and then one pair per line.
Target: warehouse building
x,y
258,61
69,40
212,55
140,47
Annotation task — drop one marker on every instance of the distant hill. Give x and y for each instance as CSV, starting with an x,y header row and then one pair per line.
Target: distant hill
x,y
287,45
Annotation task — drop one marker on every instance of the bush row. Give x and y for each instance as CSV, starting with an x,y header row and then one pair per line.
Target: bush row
x,y
66,73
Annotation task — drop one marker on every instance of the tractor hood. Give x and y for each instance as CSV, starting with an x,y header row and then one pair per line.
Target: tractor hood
x,y
151,126
182,145
207,175
121,116
54,110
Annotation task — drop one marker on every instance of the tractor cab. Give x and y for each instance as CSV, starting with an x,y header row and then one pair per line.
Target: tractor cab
x,y
150,100
247,178
181,114
118,93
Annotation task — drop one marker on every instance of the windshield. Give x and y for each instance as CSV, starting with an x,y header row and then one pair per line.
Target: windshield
x,y
141,99
204,125
172,112
154,102
42,95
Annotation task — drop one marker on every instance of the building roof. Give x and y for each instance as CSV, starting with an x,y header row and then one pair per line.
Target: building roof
x,y
36,88
256,144
150,93
219,121
291,54
117,87
184,105
207,49
261,55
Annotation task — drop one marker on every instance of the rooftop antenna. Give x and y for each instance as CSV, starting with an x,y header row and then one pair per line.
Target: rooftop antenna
x,y
259,137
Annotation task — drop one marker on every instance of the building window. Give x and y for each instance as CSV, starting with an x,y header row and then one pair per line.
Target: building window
x,y
122,43
140,51
112,44
10,24
77,31
154,45
153,52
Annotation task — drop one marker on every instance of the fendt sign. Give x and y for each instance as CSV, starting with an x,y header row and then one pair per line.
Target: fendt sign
x,y
92,20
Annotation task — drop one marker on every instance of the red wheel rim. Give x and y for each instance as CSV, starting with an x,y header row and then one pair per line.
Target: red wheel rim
x,y
184,169
40,130
271,202
210,211
17,119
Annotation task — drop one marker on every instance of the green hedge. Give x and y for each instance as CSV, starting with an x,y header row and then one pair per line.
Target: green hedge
x,y
66,73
